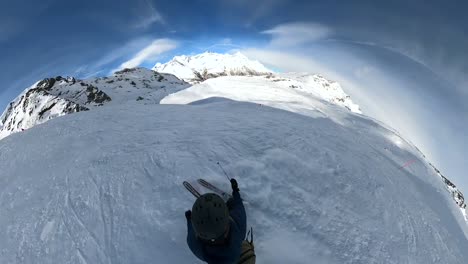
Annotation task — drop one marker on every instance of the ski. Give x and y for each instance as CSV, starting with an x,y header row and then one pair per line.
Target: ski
x,y
191,189
213,188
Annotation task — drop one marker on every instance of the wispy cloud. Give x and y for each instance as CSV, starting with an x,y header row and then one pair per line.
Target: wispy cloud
x,y
253,10
294,34
112,57
364,71
150,53
223,44
285,61
148,15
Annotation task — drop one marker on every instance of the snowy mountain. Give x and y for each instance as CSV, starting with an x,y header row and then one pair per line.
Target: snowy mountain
x,y
201,67
54,97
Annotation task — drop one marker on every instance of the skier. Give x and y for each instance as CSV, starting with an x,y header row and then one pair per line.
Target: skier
x,y
216,230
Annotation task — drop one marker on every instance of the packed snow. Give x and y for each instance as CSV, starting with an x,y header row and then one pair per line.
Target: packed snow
x,y
200,67
105,186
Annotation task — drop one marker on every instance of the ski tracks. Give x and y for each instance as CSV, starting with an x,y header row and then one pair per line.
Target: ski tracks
x,y
106,250
107,219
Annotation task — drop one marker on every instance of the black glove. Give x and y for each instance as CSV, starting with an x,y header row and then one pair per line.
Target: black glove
x,y
188,214
235,187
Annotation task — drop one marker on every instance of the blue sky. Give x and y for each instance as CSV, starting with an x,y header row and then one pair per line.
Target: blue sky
x,y
404,62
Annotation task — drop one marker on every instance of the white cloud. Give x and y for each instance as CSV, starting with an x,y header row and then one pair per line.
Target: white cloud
x,y
130,47
102,64
364,71
285,61
226,41
299,33
151,52
149,15
223,44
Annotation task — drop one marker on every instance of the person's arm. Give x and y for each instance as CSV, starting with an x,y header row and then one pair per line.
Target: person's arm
x,y
192,241
237,212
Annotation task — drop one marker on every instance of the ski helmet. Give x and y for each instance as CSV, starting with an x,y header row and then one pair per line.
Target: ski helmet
x,y
210,217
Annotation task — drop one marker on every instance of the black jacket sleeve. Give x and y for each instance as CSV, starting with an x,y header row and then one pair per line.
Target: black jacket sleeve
x,y
238,214
194,244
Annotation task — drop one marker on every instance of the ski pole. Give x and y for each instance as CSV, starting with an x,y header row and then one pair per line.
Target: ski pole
x,y
223,170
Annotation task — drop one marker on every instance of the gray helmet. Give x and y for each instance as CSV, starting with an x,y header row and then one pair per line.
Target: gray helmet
x,y
210,217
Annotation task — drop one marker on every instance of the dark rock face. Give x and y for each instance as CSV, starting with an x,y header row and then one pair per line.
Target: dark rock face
x,y
46,84
69,109
93,94
456,194
96,96
126,70
7,113
51,97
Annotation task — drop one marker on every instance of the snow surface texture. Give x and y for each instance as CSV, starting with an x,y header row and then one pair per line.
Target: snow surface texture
x,y
105,186
53,97
198,68
299,93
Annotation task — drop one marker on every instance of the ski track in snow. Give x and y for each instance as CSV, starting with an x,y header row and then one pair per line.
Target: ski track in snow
x,y
90,188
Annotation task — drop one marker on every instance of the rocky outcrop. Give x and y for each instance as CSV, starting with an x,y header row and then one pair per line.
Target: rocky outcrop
x,y
457,195
43,102
34,107
54,97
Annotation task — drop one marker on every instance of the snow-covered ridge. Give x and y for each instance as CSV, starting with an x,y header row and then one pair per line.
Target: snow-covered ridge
x,y
456,194
198,68
323,88
54,97
300,93
451,188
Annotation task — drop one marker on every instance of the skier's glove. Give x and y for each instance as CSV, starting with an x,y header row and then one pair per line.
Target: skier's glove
x,y
235,187
188,214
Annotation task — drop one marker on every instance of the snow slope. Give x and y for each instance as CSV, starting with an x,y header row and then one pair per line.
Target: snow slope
x,y
300,93
54,97
285,93
200,67
105,186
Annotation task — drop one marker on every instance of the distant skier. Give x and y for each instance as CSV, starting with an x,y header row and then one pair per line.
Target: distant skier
x,y
216,230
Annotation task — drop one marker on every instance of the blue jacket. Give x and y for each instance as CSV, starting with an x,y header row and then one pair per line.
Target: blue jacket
x,y
228,253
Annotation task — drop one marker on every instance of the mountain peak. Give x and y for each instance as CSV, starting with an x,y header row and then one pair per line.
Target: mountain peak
x,y
207,65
